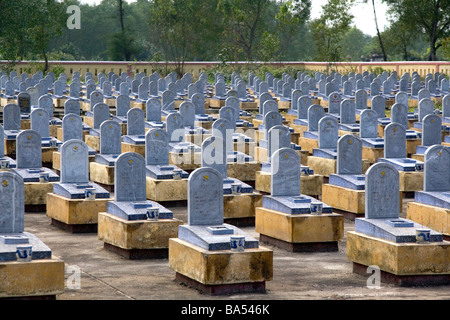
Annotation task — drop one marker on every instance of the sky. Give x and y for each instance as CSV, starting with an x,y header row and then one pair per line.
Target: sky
x,y
363,13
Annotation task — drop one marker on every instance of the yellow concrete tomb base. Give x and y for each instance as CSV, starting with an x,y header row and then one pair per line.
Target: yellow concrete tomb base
x,y
220,267
166,190
37,278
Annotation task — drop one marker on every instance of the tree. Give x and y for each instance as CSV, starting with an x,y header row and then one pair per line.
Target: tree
x,y
48,18
122,44
330,28
431,17
292,17
243,25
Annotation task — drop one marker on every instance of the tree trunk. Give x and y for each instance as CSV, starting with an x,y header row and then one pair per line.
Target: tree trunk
x,y
44,53
378,32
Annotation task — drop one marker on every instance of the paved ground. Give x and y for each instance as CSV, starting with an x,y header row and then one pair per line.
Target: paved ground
x,y
297,276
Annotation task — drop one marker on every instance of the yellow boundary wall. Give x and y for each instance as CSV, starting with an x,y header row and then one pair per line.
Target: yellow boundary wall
x,y
95,67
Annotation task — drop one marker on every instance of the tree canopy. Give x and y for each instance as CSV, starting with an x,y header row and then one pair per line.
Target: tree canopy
x,y
219,30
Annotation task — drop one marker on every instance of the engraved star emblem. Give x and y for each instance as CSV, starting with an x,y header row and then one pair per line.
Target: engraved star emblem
x,y
5,183
205,178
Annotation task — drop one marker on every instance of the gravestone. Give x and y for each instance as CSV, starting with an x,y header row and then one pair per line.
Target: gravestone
x,y
382,188
262,99
361,99
174,127
426,107
40,123
285,173
348,109
272,118
436,169
135,122
431,130
72,106
328,132
122,105
12,202
153,110
399,114
304,102
270,105
394,141
349,155
224,129
28,150
187,112
168,100
379,106
205,197
214,155
234,103
74,162
157,147
24,102
110,138
198,99
129,178
278,137
334,103
368,124
101,114
72,125
227,113
315,113
11,117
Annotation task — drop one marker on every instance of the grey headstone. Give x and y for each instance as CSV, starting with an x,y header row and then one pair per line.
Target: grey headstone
x,y
123,105
187,111
153,110
270,105
361,99
315,113
234,103
399,114
436,169
168,100
46,103
431,130
72,125
157,147
272,118
382,200
304,102
74,162
12,202
368,124
262,99
11,117
348,109
110,138
28,150
101,114
72,106
214,154
205,197
135,122
198,100
40,123
24,102
379,106
328,132
95,97
285,173
278,137
174,127
129,178
349,155
426,107
228,114
334,103
446,106
394,141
